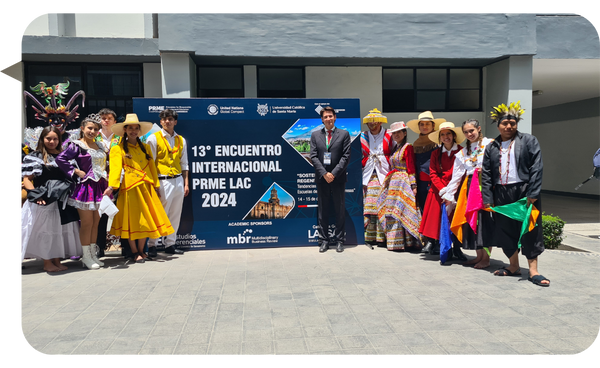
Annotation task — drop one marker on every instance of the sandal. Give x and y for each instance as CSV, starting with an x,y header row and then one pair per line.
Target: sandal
x,y
506,272
537,279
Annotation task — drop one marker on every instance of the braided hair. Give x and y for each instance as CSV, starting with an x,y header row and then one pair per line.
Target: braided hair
x,y
475,124
124,144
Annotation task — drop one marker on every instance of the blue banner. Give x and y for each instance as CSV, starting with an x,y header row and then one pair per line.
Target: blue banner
x,y
251,180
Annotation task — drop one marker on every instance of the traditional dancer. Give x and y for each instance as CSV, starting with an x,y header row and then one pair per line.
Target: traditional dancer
x,y
169,150
423,148
512,170
377,146
440,171
48,231
141,215
397,209
90,173
467,165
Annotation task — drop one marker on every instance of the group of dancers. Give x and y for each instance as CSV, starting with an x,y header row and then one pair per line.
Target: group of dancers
x,y
67,177
411,189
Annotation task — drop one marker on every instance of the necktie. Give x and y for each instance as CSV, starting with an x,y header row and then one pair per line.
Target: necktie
x,y
328,138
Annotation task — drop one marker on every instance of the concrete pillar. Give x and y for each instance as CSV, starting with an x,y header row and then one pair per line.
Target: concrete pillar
x,y
178,75
250,81
520,86
152,80
507,81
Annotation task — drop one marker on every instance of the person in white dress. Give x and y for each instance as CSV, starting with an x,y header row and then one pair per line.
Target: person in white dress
x,y
42,233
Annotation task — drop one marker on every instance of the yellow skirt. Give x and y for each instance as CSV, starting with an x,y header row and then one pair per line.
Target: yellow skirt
x,y
141,215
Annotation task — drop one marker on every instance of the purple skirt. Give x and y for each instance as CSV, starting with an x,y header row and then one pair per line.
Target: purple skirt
x,y
88,194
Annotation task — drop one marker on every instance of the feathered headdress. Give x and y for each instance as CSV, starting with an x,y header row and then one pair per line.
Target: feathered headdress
x,y
502,112
54,113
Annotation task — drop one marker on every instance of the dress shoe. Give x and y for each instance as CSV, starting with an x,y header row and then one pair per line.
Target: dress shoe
x,y
172,250
427,248
340,247
324,247
152,252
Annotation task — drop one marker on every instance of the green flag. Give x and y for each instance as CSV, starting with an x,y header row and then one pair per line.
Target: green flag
x,y
519,211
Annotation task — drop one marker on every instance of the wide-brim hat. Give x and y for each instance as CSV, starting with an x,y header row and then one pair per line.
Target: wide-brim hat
x,y
447,125
399,125
374,116
424,116
131,119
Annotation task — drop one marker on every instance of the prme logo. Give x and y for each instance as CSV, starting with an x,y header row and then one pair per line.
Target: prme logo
x,y
155,108
240,238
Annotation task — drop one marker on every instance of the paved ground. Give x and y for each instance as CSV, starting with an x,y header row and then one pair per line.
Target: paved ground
x,y
297,301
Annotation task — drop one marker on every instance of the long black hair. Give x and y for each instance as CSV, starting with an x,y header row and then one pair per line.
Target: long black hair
x,y
442,146
139,142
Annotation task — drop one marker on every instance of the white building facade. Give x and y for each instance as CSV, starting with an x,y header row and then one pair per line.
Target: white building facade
x,y
456,65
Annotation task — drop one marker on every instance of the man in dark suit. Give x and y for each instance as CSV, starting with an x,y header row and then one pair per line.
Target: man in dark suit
x,y
512,169
330,155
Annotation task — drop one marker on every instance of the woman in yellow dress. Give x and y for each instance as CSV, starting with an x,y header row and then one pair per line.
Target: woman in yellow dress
x,y
141,215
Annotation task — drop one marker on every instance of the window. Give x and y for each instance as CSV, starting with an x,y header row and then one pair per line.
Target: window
x,y
113,86
109,85
220,81
434,89
281,82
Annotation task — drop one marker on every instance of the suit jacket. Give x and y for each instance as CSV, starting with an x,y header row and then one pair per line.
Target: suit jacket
x,y
340,153
528,156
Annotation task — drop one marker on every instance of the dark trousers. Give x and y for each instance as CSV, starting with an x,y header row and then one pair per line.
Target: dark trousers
x,y
328,193
506,234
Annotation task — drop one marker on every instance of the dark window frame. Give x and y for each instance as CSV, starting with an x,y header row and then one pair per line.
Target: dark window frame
x,y
447,90
242,93
280,93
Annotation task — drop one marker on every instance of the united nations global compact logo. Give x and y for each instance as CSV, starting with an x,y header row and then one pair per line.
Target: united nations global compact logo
x,y
213,109
263,109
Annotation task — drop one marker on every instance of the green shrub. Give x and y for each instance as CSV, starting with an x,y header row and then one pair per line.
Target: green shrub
x,y
553,231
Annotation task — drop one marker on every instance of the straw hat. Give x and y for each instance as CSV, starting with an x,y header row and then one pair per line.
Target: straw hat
x,y
424,116
131,119
399,125
435,136
374,116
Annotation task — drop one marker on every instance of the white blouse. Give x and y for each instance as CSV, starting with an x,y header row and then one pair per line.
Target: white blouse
x,y
376,160
464,164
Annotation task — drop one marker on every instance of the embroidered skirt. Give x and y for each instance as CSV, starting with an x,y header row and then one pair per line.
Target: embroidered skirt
x,y
373,230
396,203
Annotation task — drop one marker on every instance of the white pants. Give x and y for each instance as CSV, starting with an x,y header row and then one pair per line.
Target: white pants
x,y
171,196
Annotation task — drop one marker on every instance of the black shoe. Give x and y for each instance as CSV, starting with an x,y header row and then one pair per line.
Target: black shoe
x,y
173,250
324,247
435,250
427,248
340,247
458,253
141,260
152,252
